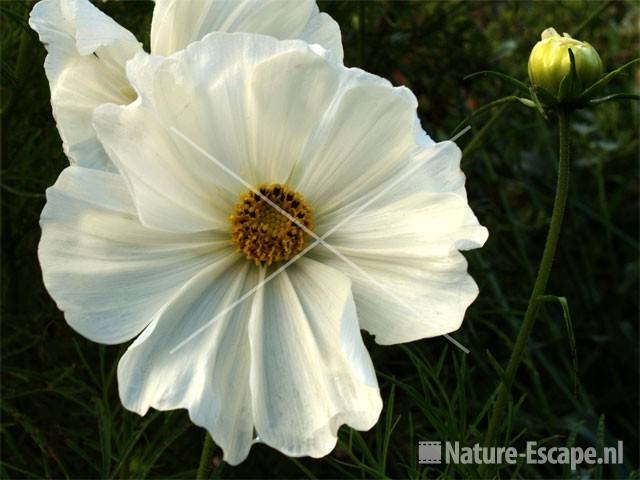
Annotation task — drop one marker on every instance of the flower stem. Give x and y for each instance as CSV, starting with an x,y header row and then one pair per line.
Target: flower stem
x,y
540,284
206,457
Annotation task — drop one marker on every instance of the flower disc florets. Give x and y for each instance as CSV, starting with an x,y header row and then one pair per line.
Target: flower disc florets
x,y
264,233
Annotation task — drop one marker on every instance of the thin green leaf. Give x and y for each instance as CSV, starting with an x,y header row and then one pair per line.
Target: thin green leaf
x,y
494,363
133,441
501,101
166,443
18,19
502,76
302,468
104,431
364,449
571,337
589,92
389,426
614,97
535,95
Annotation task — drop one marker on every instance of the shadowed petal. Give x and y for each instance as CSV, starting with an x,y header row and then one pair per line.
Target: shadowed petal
x,y
310,371
85,65
415,282
209,375
177,23
105,270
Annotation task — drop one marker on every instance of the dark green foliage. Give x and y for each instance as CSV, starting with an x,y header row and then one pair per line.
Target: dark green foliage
x,y
61,416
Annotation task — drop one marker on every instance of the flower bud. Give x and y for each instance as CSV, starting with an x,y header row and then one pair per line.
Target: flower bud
x,y
549,63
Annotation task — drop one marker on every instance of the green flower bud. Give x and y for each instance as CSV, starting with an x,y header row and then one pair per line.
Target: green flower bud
x,y
549,62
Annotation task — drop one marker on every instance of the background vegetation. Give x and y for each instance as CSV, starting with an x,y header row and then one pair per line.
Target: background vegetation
x,y
61,416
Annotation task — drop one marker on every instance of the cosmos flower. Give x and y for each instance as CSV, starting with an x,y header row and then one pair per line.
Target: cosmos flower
x,y
269,204
87,51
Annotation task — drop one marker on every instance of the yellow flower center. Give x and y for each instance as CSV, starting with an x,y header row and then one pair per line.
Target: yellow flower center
x,y
262,232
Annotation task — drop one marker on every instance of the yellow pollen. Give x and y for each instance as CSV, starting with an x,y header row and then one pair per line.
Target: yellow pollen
x,y
263,233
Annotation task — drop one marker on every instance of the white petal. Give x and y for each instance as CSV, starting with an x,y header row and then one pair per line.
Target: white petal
x,y
204,94
209,375
210,93
85,66
431,168
177,23
310,371
367,135
415,282
289,94
107,272
173,192
325,31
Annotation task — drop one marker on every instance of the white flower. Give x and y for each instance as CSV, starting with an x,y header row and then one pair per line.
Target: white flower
x,y
169,245
88,51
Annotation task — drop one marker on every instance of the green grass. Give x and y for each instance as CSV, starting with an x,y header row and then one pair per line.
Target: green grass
x,y
61,416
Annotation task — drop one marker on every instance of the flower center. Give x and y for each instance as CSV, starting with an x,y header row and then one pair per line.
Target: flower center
x,y
262,232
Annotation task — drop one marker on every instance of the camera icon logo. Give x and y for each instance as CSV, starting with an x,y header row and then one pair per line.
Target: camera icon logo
x,y
429,452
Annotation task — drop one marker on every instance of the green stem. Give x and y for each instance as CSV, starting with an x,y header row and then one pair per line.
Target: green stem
x,y
206,457
539,285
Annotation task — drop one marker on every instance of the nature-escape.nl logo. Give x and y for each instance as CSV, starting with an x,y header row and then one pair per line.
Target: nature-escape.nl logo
x,y
432,453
